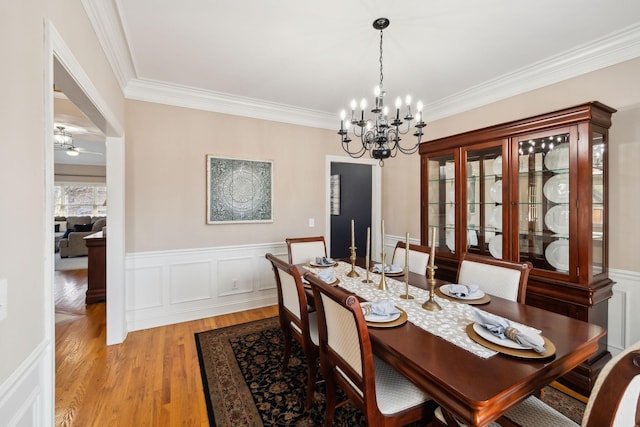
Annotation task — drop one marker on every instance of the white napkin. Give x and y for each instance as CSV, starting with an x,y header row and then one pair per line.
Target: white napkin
x,y
462,291
327,275
324,261
393,267
502,328
380,308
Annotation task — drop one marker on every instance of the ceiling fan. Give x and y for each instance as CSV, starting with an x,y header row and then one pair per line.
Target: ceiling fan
x,y
63,140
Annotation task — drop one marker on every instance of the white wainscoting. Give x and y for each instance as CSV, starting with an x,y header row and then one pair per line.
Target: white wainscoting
x,y
24,396
624,310
176,286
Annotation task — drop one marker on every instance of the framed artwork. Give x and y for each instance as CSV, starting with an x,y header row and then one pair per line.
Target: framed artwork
x,y
239,190
334,200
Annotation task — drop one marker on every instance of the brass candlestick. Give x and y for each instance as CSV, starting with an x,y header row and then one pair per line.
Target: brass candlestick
x,y
431,303
366,266
383,283
353,272
406,282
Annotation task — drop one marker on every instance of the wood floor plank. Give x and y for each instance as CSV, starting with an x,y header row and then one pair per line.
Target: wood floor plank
x,y
152,379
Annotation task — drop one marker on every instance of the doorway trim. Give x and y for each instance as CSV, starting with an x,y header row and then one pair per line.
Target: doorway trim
x,y
376,197
57,50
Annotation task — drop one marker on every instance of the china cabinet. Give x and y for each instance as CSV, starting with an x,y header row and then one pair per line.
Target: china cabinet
x,y
529,190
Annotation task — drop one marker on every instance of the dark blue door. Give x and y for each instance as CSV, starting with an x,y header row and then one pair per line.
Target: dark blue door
x,y
355,203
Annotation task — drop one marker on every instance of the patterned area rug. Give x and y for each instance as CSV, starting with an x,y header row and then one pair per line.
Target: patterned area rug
x,y
241,369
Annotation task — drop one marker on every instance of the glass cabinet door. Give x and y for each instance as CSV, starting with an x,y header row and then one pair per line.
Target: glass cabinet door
x,y
598,162
441,199
545,199
484,194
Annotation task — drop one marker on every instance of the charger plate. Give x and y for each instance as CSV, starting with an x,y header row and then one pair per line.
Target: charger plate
x,y
550,348
399,321
479,301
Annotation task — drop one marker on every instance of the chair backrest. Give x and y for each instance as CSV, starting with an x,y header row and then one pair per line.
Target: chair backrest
x,y
292,300
497,277
615,397
418,257
305,249
344,341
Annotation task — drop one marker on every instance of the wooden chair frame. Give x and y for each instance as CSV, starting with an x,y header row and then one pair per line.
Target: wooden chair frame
x,y
418,248
330,361
288,318
523,267
293,240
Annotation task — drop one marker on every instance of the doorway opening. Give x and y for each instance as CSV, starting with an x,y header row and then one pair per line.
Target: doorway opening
x,y
360,199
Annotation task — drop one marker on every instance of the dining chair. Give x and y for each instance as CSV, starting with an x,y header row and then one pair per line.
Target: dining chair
x,y
305,249
418,257
497,277
614,400
295,319
385,396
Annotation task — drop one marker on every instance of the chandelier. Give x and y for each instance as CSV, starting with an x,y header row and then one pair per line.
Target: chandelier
x,y
62,140
380,135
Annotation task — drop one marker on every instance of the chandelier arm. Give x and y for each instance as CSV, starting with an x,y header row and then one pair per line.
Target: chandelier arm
x,y
354,154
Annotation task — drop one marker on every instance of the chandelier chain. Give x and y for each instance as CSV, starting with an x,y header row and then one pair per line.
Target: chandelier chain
x,y
381,74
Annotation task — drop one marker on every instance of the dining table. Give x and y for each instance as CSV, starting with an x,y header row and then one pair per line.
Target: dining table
x,y
470,380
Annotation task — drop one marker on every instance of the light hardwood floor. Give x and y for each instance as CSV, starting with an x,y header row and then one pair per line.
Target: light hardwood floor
x,y
152,379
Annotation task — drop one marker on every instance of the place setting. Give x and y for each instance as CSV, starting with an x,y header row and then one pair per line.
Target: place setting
x,y
393,270
383,314
327,275
322,262
471,294
510,338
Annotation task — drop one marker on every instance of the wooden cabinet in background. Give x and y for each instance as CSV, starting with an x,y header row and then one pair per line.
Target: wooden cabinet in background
x,y
529,190
97,268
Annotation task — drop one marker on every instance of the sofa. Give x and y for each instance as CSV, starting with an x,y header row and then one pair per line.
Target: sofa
x,y
72,243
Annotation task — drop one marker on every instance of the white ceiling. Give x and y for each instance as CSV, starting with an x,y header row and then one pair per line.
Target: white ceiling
x,y
319,55
302,62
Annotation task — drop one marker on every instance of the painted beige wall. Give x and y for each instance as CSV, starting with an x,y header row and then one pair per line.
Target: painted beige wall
x,y
22,159
166,176
617,86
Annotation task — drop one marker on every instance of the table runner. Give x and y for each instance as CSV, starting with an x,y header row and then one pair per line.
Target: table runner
x,y
450,323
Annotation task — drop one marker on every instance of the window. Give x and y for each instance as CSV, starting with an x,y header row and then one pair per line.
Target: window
x,y
80,199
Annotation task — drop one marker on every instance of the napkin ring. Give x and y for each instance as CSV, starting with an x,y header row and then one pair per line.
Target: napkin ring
x,y
366,309
511,333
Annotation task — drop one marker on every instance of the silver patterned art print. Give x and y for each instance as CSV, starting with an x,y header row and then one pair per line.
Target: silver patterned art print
x,y
239,190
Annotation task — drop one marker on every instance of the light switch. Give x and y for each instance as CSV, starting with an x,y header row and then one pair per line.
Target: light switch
x,y
312,222
3,298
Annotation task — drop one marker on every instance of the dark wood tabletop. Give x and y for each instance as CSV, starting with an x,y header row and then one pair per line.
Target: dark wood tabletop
x,y
475,389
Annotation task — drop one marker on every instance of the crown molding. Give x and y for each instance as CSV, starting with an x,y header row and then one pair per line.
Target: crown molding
x,y
106,22
612,49
190,97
